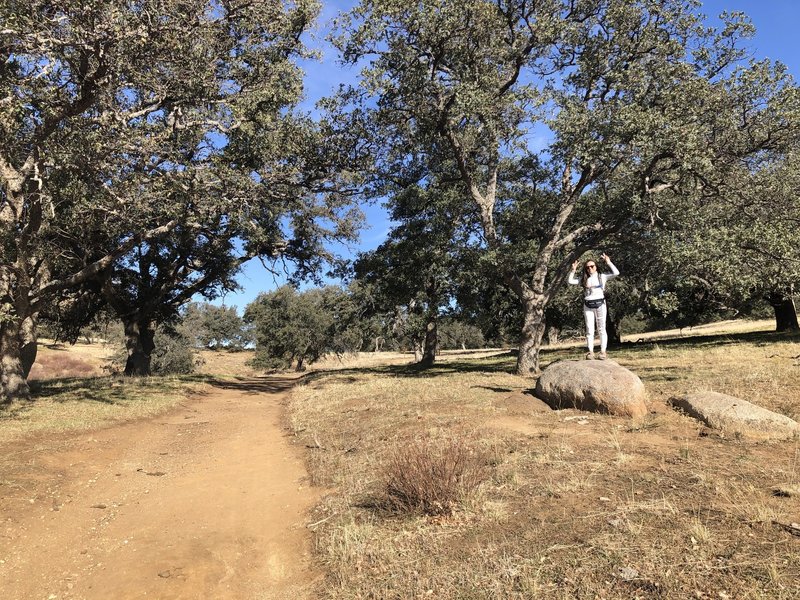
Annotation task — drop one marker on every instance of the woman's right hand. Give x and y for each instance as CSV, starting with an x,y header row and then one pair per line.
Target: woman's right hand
x,y
575,265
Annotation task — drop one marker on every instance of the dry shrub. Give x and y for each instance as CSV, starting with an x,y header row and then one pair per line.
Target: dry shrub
x,y
434,475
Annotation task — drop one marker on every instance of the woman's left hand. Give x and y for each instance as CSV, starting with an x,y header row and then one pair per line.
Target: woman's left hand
x,y
605,257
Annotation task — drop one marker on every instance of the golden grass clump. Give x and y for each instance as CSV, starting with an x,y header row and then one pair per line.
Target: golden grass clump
x,y
434,476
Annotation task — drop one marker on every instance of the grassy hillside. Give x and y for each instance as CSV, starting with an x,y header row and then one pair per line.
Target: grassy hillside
x,y
573,505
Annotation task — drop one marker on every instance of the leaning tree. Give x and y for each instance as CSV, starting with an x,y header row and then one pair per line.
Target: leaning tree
x,y
615,106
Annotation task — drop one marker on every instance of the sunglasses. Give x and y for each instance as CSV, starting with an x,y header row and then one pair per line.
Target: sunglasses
x,y
591,266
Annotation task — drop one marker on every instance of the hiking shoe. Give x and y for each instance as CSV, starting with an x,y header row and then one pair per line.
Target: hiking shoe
x,y
590,356
603,356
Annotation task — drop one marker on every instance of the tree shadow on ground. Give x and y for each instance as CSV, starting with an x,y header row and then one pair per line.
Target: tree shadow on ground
x,y
505,362
500,363
719,339
258,385
107,390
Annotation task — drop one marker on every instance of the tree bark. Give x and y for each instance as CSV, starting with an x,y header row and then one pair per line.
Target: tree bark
x,y
139,343
532,334
13,384
785,311
431,342
29,346
613,330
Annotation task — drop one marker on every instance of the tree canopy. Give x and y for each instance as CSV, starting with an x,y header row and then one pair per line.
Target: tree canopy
x,y
148,149
642,104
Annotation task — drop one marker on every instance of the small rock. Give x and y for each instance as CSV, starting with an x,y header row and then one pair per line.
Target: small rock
x,y
736,416
628,573
99,506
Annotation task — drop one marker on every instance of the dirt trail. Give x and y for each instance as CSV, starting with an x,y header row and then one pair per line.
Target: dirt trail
x,y
207,501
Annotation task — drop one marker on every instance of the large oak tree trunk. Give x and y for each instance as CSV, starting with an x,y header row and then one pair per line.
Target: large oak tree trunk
x,y
532,334
613,330
29,346
13,384
785,311
431,342
139,343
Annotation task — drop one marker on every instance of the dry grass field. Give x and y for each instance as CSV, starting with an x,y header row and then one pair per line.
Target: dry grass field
x,y
72,391
574,505
563,504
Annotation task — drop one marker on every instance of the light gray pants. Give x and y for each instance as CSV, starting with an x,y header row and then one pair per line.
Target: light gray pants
x,y
596,316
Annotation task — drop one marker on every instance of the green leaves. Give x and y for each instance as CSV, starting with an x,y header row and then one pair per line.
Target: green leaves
x,y
644,109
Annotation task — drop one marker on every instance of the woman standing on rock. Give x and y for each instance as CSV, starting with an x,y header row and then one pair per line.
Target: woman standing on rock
x,y
594,301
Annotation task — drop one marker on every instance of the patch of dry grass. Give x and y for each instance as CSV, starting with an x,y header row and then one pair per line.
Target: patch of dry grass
x,y
89,403
71,393
59,360
588,507
224,364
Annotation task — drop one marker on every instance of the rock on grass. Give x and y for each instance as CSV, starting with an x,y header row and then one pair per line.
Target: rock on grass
x,y
734,415
592,385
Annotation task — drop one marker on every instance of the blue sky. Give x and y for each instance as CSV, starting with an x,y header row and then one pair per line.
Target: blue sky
x,y
776,23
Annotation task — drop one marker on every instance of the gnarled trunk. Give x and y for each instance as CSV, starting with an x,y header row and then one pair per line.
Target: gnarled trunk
x,y
532,334
13,384
613,330
785,311
431,342
29,346
139,344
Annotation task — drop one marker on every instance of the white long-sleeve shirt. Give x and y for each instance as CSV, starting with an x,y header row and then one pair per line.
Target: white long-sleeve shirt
x,y
595,283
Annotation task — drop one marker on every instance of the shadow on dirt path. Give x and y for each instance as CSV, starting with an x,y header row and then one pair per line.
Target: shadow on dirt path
x,y
258,385
206,501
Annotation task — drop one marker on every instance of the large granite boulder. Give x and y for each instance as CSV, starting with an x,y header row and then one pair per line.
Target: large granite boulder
x,y
594,385
734,415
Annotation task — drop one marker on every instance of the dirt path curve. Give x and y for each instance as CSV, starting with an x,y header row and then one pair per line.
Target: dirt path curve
x,y
206,501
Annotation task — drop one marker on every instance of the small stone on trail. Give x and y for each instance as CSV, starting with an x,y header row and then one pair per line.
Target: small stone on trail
x,y
98,506
628,573
152,474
